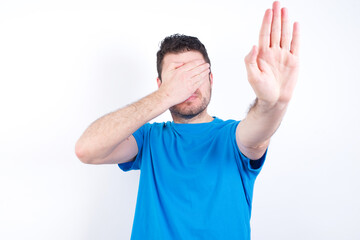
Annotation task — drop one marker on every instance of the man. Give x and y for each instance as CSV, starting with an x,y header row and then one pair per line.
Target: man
x,y
198,171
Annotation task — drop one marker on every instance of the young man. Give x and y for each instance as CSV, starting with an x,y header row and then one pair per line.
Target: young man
x,y
198,171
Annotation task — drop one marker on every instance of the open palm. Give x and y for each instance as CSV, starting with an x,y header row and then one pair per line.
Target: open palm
x,y
272,67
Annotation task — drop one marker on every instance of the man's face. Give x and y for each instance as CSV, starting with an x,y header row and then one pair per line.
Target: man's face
x,y
199,101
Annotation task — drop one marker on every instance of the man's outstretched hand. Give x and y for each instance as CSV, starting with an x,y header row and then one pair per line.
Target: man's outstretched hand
x,y
272,72
272,67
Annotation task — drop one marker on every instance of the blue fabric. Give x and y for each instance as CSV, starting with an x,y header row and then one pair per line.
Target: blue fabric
x,y
194,182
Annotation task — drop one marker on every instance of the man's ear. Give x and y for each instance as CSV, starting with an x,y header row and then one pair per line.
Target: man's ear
x,y
158,82
211,79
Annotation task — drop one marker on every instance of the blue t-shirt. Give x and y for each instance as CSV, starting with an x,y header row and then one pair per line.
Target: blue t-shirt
x,y
194,182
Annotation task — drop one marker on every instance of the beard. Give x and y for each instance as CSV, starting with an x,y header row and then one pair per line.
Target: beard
x,y
190,109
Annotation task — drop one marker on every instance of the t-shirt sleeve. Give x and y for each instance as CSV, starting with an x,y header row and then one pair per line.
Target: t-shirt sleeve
x,y
139,136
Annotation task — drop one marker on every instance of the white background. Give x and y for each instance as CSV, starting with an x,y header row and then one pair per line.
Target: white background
x,y
63,64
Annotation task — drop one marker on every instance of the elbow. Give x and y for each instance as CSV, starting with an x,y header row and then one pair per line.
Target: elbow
x,y
261,147
254,152
81,153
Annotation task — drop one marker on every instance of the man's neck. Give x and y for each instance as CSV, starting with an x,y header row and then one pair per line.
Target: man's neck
x,y
202,117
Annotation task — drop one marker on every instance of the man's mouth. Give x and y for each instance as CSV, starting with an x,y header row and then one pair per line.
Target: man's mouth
x,y
191,97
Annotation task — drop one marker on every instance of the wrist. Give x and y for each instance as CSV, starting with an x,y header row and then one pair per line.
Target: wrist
x,y
165,98
269,106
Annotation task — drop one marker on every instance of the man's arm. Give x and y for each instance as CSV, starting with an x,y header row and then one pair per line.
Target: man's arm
x,y
114,130
272,72
109,139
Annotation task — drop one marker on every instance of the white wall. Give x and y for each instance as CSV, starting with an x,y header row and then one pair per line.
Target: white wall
x,y
63,64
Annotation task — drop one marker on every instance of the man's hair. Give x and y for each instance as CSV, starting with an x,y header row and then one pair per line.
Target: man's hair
x,y
179,43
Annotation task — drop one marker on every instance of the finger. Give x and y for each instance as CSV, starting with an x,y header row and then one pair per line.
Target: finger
x,y
178,65
174,65
193,64
199,69
295,42
285,29
275,26
171,66
264,37
250,61
200,78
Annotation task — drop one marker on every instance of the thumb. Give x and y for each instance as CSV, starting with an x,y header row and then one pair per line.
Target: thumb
x,y
252,67
250,61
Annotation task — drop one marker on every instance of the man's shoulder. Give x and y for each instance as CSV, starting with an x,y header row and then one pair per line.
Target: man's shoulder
x,y
158,124
170,124
216,120
155,126
226,122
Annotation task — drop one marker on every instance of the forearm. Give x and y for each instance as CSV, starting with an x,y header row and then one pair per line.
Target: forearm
x,y
260,124
103,135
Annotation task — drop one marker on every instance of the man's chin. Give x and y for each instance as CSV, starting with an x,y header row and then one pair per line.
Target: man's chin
x,y
185,110
185,115
190,108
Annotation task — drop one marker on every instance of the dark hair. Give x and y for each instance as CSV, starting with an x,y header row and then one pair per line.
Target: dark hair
x,y
179,43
